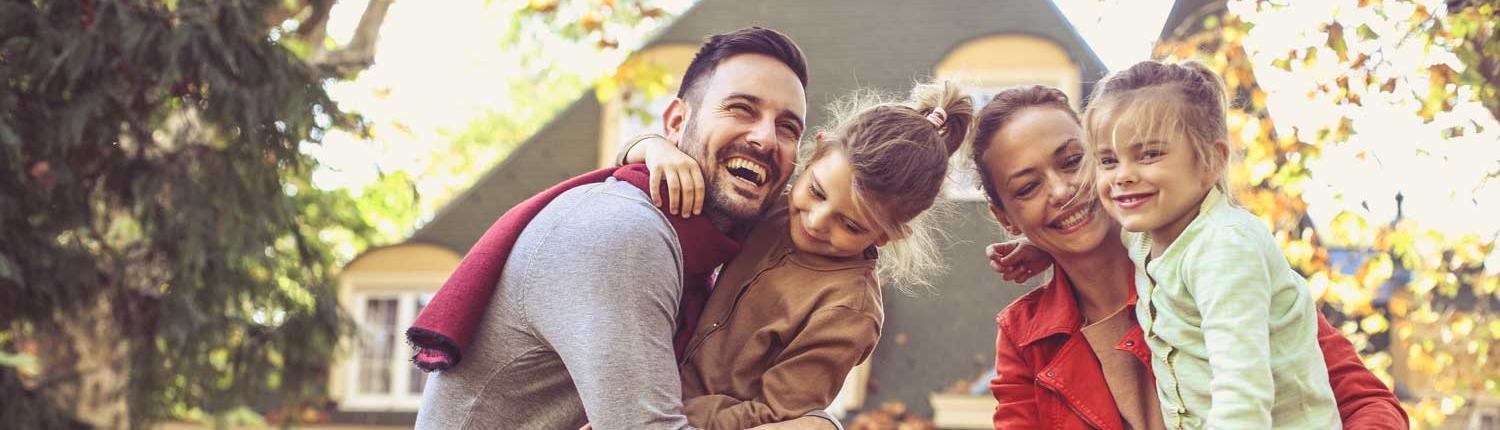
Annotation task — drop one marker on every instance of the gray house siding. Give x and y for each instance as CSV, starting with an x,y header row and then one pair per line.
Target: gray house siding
x,y
949,334
566,147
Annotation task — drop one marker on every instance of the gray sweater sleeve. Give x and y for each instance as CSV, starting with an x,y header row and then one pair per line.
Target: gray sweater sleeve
x,y
611,306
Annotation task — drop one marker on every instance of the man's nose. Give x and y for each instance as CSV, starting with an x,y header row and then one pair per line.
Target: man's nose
x,y
763,135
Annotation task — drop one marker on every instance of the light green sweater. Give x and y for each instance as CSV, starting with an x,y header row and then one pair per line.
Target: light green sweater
x,y
1232,328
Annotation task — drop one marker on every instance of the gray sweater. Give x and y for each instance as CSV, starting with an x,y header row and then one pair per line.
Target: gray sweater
x,y
580,327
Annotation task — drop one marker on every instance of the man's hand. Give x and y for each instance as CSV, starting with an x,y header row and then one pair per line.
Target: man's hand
x,y
803,423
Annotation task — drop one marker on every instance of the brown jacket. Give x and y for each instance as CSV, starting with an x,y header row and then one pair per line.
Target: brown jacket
x,y
781,330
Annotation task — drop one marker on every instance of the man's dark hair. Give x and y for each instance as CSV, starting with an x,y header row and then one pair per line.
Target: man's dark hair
x,y
751,40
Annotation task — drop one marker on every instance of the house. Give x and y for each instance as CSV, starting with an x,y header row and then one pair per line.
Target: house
x,y
932,340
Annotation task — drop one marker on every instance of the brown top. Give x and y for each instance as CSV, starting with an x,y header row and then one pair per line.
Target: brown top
x,y
1128,378
781,330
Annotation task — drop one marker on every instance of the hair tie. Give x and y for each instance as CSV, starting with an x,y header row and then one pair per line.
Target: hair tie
x,y
937,117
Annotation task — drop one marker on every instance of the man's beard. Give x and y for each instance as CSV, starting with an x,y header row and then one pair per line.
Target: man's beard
x,y
720,203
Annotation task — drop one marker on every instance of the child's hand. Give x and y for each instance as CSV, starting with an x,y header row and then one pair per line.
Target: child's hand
x,y
1017,260
680,172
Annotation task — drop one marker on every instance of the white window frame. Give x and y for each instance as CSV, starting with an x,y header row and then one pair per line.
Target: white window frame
x,y
406,289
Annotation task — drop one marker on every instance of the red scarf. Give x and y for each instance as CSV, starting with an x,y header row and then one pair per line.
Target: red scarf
x,y
447,325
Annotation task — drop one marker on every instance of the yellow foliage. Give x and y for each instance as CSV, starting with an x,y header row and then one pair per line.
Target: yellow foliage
x,y
1440,341
1374,324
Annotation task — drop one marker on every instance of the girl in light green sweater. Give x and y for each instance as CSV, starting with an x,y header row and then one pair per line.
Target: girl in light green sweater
x,y
1231,327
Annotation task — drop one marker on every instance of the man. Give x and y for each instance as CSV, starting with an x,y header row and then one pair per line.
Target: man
x,y
579,327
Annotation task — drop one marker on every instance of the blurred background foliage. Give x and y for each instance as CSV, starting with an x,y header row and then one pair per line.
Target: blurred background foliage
x,y
164,249
1419,300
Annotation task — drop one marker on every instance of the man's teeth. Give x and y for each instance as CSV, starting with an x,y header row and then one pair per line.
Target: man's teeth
x,y
740,163
1075,218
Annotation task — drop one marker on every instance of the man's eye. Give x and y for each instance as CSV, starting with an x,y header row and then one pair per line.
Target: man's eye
x,y
790,130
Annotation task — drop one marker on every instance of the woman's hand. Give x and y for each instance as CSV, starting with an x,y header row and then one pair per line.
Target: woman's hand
x,y
679,171
1017,260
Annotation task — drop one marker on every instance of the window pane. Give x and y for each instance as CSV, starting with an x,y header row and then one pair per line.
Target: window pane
x,y
379,344
418,377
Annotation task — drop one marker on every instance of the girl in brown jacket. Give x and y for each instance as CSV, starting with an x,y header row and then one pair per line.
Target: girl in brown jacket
x,y
801,304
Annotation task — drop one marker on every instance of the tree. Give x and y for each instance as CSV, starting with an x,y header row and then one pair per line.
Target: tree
x,y
1303,96
162,249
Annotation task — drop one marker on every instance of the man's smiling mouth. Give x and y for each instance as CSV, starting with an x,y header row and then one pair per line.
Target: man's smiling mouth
x,y
746,169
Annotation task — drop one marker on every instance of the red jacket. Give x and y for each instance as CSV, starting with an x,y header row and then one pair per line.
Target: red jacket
x,y
1048,376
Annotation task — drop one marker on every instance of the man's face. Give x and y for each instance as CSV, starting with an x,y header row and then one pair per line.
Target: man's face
x,y
744,131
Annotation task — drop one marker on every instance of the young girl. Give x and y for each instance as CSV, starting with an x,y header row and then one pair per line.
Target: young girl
x,y
801,304
1232,328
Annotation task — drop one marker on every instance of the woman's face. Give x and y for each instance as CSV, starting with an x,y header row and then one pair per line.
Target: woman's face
x,y
1034,163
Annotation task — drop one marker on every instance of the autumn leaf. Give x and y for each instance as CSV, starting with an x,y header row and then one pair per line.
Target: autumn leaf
x,y
1359,61
1389,86
542,6
1336,42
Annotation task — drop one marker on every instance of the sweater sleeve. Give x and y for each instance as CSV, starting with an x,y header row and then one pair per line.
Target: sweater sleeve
x,y
607,307
806,376
1231,285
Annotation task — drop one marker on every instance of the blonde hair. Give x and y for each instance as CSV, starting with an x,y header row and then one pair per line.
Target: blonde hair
x,y
900,160
1184,101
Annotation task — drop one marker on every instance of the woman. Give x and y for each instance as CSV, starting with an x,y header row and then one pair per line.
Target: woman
x,y
1069,354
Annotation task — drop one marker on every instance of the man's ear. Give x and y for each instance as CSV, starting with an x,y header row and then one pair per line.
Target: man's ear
x,y
1004,221
674,120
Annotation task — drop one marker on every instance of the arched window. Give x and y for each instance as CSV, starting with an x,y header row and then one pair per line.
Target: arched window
x,y
987,64
631,110
383,290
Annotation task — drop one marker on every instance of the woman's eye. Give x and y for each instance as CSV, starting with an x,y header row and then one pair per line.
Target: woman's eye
x,y
1025,190
1072,162
1151,155
853,228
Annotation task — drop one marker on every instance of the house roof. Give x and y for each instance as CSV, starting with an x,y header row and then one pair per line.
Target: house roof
x,y
849,44
1186,15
